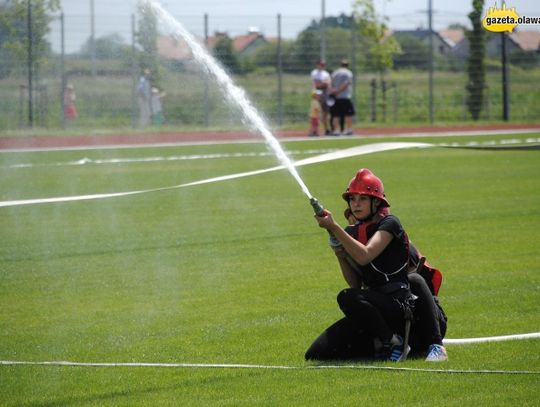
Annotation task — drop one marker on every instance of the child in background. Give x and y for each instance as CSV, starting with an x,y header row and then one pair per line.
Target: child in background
x,y
70,111
314,113
155,102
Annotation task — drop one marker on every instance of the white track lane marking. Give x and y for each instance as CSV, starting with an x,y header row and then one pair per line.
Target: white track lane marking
x,y
153,159
456,133
335,155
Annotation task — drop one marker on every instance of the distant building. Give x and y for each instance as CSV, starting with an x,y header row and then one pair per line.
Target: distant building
x,y
173,49
440,44
245,45
528,41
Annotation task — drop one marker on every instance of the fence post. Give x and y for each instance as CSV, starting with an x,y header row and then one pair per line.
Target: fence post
x,y
504,77
279,73
383,99
206,102
133,74
63,80
487,101
21,104
93,39
323,30
395,102
353,59
430,24
373,93
30,64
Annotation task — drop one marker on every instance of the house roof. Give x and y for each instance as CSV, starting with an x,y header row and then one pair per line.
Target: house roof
x,y
241,42
527,40
452,36
213,40
172,48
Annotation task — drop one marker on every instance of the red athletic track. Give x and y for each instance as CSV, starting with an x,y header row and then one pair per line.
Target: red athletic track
x,y
22,142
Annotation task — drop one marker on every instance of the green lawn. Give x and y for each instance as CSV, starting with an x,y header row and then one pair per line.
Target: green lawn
x,y
238,272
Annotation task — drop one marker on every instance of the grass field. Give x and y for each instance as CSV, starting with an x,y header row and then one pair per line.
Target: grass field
x,y
238,272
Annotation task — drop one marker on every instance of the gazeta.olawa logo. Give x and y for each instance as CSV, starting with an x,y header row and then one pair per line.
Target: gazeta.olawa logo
x,y
505,19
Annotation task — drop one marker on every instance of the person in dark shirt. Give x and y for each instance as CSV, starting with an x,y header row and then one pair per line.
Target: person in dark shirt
x,y
374,256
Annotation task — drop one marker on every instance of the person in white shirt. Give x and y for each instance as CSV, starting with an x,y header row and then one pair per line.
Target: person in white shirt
x,y
343,110
321,81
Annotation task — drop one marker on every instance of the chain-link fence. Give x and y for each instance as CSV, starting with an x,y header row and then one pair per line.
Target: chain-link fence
x,y
95,66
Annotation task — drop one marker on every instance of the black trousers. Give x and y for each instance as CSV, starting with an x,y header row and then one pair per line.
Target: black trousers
x,y
369,314
352,337
429,324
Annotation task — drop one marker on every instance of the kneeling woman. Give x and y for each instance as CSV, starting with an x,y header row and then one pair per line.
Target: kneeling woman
x,y
374,257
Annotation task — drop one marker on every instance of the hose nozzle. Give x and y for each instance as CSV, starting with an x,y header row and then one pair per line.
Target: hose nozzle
x,y
317,207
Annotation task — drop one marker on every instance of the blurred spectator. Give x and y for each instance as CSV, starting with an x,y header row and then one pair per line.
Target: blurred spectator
x,y
314,113
321,81
143,98
157,111
343,109
70,111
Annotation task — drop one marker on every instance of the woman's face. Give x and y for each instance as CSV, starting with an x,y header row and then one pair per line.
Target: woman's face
x,y
360,206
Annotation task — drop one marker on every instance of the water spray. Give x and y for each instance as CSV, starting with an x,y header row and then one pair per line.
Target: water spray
x,y
232,92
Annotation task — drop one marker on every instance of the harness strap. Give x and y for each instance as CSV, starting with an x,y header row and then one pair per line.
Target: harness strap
x,y
389,274
362,232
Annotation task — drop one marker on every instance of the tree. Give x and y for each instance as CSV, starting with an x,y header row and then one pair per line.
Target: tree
x,y
338,42
305,52
415,52
378,47
225,53
111,46
14,41
342,21
147,35
475,66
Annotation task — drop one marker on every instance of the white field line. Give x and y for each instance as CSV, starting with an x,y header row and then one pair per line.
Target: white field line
x,y
214,156
153,159
334,155
534,335
65,363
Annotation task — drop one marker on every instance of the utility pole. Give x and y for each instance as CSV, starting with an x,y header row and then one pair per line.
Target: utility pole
x,y
206,84
323,30
504,77
92,38
430,63
62,69
30,63
279,73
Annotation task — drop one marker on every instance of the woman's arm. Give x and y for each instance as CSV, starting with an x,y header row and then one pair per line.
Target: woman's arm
x,y
362,254
350,276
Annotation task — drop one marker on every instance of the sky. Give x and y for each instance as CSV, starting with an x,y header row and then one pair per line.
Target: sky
x,y
238,16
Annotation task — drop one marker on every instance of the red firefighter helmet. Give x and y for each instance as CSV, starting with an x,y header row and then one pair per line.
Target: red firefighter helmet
x,y
366,183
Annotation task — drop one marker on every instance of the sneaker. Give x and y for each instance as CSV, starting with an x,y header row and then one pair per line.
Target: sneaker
x,y
437,353
348,132
398,351
336,133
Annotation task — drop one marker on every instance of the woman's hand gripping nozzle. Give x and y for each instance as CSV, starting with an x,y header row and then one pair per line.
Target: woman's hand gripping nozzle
x,y
317,207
